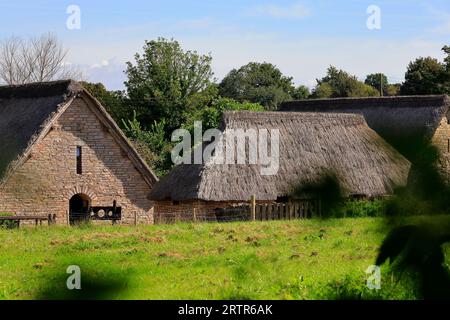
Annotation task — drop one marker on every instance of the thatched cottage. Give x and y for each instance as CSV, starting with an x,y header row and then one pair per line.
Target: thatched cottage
x,y
405,122
61,153
310,145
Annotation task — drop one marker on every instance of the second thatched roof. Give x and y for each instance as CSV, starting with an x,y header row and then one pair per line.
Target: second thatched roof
x,y
311,145
394,118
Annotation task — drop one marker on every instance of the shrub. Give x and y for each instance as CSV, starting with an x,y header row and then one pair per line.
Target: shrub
x,y
361,208
8,224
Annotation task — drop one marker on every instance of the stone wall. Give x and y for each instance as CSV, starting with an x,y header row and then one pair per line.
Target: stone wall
x,y
48,179
442,140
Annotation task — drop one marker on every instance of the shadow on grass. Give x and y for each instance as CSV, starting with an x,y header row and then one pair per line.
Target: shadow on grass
x,y
413,247
95,285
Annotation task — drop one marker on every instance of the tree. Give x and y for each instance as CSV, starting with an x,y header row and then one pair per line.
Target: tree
x,y
34,60
322,91
446,50
211,115
378,81
300,93
446,80
113,101
150,144
393,89
261,83
425,76
338,83
167,83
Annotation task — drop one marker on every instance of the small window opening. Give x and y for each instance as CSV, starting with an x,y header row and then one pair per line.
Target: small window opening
x,y
79,161
176,203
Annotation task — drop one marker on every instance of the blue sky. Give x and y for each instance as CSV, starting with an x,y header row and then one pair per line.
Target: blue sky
x,y
301,37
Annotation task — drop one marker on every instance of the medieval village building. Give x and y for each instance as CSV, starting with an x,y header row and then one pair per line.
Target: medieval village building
x,y
311,145
62,154
407,122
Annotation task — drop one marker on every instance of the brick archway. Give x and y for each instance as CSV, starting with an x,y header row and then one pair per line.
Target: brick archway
x,y
80,190
79,208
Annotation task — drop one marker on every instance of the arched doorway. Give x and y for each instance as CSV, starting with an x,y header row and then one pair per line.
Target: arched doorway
x,y
79,207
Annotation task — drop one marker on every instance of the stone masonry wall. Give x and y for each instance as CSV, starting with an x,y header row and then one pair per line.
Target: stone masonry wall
x,y
48,179
442,140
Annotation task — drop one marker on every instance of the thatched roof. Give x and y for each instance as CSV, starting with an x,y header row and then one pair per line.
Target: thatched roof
x,y
311,145
394,118
27,113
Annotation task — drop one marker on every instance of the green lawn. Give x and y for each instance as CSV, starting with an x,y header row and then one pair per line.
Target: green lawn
x,y
262,260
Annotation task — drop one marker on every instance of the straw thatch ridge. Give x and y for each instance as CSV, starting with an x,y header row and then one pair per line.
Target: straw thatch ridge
x,y
396,117
40,89
311,145
27,113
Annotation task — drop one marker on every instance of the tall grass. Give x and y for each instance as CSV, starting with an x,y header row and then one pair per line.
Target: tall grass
x,y
309,259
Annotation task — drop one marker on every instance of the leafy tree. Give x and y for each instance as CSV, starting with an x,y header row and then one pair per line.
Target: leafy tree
x,y
322,91
393,89
379,81
446,80
167,83
446,50
113,101
151,144
300,93
261,83
212,115
425,76
338,83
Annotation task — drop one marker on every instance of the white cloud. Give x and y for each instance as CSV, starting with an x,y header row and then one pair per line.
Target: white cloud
x,y
107,71
293,11
102,64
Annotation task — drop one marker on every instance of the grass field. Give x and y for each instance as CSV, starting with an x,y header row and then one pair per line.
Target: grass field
x,y
263,260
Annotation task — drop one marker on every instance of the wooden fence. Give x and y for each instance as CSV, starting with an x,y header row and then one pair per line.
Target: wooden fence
x,y
250,211
300,209
286,211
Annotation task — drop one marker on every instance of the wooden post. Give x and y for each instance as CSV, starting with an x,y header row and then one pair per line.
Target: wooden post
x,y
263,212
194,214
135,218
290,209
253,207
